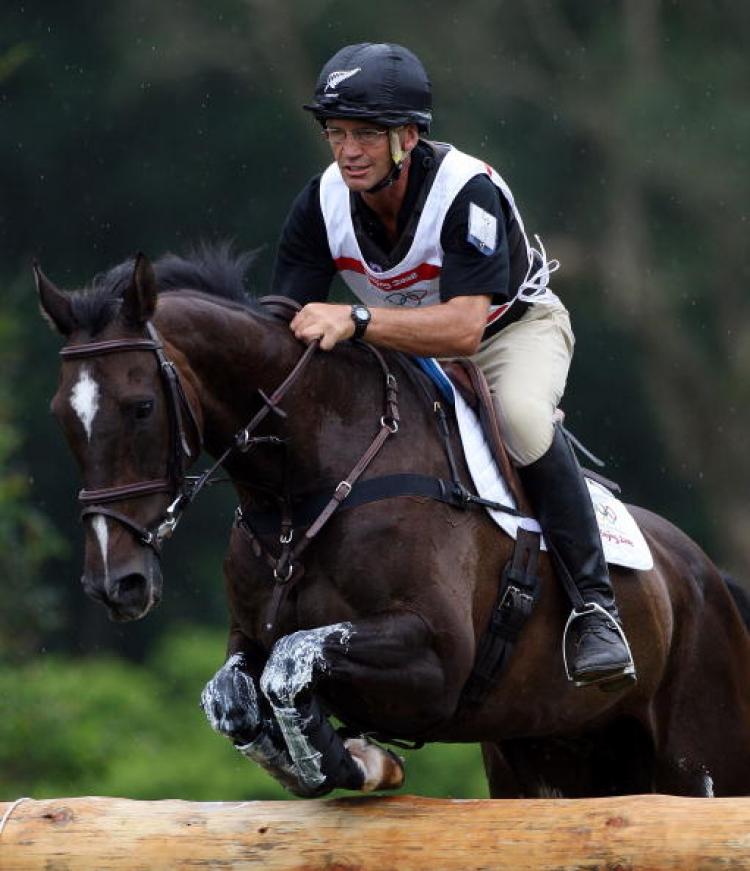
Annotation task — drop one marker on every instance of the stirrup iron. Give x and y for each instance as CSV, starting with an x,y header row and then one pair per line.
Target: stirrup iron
x,y
627,672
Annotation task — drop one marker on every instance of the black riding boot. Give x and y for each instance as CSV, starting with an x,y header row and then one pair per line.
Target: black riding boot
x,y
596,650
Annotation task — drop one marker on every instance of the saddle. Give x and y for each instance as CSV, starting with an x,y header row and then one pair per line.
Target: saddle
x,y
469,381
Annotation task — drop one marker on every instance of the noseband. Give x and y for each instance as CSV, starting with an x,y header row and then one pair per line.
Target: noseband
x,y
174,482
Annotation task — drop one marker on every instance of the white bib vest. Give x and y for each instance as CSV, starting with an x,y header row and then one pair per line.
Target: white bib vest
x,y
415,280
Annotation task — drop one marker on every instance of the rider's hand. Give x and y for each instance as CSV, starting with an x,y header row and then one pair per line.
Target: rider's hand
x,y
328,322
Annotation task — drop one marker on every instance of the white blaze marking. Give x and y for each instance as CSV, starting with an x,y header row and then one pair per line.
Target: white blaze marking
x,y
84,397
99,525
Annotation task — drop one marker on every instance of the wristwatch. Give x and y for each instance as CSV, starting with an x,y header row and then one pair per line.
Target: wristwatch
x,y
361,316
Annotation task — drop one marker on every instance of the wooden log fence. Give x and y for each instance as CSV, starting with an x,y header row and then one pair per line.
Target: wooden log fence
x,y
401,833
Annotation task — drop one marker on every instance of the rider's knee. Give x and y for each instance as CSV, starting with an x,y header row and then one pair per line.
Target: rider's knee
x,y
527,423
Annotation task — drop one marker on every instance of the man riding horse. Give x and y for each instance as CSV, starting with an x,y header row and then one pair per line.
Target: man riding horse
x,y
431,242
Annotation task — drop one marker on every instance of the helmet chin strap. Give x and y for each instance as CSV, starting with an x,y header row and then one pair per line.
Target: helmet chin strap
x,y
398,156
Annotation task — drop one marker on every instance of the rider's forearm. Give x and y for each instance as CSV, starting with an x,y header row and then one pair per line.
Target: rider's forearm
x,y
451,329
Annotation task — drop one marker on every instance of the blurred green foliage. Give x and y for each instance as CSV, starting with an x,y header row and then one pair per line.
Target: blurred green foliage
x,y
28,539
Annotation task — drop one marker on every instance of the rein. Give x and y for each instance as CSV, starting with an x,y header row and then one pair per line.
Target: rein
x,y
186,488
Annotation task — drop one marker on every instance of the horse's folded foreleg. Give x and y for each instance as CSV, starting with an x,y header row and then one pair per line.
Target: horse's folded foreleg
x,y
319,756
389,651
234,708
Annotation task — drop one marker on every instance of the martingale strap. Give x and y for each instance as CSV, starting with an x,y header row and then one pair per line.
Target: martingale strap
x,y
287,568
313,512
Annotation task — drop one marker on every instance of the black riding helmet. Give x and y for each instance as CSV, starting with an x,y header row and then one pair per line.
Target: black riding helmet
x,y
380,82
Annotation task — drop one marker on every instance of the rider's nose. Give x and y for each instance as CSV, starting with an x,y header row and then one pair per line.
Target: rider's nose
x,y
350,147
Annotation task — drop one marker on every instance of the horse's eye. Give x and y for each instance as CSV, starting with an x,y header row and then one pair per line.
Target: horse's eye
x,y
143,408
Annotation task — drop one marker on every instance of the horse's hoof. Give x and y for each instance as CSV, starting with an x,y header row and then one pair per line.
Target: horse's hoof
x,y
382,769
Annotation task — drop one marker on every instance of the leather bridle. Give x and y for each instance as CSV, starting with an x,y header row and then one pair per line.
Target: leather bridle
x,y
174,482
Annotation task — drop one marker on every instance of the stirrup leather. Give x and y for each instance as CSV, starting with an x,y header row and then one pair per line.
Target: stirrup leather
x,y
589,607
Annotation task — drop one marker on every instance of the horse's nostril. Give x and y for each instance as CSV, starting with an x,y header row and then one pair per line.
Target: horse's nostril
x,y
131,596
129,586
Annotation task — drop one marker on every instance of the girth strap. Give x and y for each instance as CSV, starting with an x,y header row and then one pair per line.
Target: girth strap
x,y
517,595
306,510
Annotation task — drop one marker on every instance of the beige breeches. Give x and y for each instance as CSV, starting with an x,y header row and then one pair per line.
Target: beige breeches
x,y
526,366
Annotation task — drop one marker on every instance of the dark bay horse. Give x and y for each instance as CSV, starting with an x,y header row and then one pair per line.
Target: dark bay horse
x,y
379,621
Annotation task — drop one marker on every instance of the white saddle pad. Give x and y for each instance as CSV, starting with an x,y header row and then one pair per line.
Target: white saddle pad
x,y
624,544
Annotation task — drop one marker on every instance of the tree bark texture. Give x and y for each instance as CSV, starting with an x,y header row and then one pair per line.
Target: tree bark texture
x,y
386,834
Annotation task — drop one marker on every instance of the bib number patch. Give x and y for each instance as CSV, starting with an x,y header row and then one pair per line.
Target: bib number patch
x,y
482,229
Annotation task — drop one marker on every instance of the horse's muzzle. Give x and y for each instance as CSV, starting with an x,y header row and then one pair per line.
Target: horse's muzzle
x,y
127,594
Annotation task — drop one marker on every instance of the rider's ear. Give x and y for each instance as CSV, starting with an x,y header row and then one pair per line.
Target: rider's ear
x,y
139,298
55,304
410,137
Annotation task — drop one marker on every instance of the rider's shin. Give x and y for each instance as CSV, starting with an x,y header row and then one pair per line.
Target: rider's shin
x,y
598,651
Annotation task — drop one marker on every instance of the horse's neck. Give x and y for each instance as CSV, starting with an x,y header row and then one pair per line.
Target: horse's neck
x,y
229,354
226,355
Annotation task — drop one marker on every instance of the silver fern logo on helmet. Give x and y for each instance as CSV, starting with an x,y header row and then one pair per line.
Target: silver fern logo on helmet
x,y
335,79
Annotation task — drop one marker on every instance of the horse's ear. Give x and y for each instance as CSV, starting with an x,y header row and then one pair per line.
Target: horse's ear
x,y
55,304
139,298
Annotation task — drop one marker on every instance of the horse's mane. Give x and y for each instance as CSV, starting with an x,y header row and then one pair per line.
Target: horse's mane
x,y
214,269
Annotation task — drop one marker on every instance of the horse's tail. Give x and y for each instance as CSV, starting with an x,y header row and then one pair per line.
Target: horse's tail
x,y
741,597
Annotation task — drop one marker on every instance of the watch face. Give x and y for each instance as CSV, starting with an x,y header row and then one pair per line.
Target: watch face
x,y
361,318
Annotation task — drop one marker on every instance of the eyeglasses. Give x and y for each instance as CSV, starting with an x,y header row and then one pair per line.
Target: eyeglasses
x,y
362,136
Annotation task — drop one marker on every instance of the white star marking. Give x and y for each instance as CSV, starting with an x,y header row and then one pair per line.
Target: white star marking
x,y
84,398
